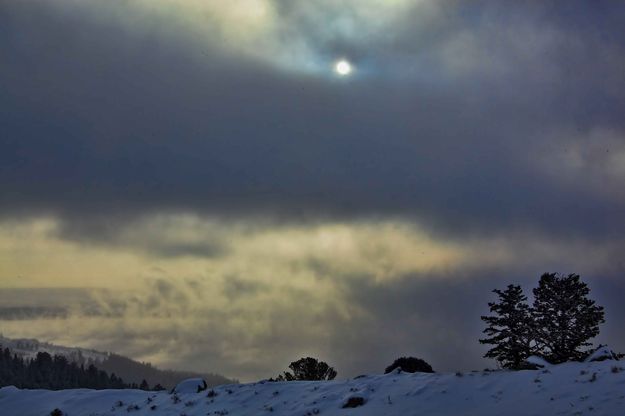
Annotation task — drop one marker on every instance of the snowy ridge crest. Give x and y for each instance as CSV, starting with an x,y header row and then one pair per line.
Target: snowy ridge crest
x,y
573,388
28,348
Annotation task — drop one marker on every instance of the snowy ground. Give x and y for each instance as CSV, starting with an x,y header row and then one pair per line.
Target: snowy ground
x,y
596,388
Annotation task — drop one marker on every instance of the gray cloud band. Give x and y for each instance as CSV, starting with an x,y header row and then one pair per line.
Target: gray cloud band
x,y
117,123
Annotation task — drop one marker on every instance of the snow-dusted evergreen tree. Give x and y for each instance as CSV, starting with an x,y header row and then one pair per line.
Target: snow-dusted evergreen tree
x,y
509,328
565,318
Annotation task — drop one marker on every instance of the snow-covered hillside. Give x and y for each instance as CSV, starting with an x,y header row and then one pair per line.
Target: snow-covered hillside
x,y
596,388
28,348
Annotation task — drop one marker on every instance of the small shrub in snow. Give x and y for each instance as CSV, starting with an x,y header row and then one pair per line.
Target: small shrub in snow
x,y
593,378
310,369
410,365
354,401
616,369
459,374
56,412
211,393
132,408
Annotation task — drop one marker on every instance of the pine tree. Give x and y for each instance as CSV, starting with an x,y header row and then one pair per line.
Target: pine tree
x,y
564,316
509,328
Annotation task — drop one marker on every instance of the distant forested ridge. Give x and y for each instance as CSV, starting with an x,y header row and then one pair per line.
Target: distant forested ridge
x,y
131,371
55,373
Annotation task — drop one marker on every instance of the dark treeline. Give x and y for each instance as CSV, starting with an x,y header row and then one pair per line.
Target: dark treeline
x,y
57,373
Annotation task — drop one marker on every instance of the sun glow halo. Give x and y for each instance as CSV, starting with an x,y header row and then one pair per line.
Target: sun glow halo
x,y
343,67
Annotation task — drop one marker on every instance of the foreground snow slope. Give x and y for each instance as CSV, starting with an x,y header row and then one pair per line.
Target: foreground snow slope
x,y
596,388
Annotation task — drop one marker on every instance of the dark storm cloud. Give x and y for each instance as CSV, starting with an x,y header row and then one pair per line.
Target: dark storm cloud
x,y
435,317
31,312
56,303
155,241
446,123
469,118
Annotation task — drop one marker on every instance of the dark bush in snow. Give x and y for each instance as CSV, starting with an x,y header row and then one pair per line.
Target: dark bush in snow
x,y
56,412
410,365
308,369
354,401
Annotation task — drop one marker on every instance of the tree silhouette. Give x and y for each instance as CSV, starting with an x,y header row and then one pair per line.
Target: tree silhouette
x,y
308,369
565,317
510,328
410,365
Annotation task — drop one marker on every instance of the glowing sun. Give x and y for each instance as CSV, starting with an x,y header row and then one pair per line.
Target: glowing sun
x,y
343,67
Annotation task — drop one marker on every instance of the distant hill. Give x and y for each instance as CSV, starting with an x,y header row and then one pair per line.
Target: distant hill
x,y
130,370
28,348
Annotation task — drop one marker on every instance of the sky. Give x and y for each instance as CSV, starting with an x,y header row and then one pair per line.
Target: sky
x,y
193,184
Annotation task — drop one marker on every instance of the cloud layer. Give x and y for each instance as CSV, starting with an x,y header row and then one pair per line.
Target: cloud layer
x,y
198,168
355,293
